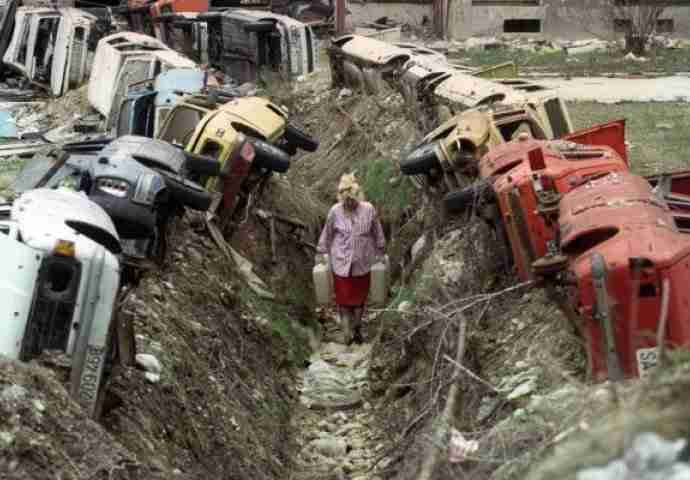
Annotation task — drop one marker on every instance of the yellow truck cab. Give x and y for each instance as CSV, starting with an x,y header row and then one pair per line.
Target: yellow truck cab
x,y
455,147
245,134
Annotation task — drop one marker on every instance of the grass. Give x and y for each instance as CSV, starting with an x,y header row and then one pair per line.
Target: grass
x,y
657,131
594,63
282,323
390,198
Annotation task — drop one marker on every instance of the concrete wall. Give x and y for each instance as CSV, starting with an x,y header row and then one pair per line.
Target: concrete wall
x,y
468,20
410,13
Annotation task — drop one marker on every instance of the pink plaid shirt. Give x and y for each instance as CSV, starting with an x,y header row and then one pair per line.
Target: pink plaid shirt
x,y
352,241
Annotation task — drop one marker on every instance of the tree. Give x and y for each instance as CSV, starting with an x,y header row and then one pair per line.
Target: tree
x,y
636,19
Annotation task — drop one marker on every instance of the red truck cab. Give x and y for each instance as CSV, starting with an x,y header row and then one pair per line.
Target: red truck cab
x,y
529,178
629,268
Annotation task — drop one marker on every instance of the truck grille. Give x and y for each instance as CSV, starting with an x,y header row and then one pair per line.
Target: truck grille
x,y
55,297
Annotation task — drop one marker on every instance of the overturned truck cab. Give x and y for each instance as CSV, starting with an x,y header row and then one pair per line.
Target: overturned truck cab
x,y
49,47
241,42
58,286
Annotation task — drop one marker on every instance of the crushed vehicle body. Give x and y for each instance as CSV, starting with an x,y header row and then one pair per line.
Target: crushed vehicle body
x,y
242,42
140,182
452,151
526,180
122,59
8,11
49,47
59,285
149,102
363,62
184,33
247,136
628,273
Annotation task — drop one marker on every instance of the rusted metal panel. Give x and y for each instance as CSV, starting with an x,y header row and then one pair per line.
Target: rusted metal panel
x,y
537,186
611,134
619,218
467,91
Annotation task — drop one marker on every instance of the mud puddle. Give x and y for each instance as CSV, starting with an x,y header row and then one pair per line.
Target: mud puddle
x,y
335,425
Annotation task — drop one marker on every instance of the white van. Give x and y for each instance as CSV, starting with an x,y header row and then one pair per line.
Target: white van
x,y
49,46
59,280
125,58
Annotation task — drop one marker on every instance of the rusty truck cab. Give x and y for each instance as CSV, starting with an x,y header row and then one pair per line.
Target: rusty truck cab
x,y
628,273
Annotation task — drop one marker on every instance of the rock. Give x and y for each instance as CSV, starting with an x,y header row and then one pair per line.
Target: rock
x,y
6,438
148,362
152,377
417,247
39,406
650,457
345,92
634,58
440,45
12,396
523,389
405,306
330,446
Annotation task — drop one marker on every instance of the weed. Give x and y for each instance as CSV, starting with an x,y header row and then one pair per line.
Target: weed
x,y
593,63
280,319
655,131
391,199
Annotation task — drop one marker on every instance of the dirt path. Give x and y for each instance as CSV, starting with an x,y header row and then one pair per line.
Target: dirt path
x,y
335,426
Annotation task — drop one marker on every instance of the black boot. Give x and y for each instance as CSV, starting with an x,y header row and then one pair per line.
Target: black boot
x,y
357,325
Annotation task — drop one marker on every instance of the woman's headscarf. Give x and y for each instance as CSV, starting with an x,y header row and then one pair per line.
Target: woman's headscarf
x,y
349,188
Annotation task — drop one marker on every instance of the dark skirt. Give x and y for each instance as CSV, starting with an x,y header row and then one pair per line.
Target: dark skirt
x,y
351,291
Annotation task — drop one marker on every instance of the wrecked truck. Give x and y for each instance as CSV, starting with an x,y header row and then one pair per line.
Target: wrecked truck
x,y
249,137
149,102
140,182
628,271
58,287
452,151
525,180
122,59
242,42
49,47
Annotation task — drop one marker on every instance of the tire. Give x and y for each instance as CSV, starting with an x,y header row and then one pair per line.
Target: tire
x,y
259,27
188,193
269,156
463,200
421,160
202,165
295,136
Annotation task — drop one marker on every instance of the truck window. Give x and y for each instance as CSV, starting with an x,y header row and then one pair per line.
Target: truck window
x,y
211,149
181,124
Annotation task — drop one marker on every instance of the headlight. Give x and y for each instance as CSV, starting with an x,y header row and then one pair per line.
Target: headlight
x,y
112,186
148,186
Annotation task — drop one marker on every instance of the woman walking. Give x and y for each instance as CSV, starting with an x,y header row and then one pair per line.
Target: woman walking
x,y
354,239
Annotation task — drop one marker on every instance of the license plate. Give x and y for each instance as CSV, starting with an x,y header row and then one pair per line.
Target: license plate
x,y
647,359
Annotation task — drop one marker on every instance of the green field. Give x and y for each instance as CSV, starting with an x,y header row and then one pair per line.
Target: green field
x,y
662,61
658,132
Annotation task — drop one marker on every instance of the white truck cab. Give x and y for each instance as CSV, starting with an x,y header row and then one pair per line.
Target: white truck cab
x,y
59,280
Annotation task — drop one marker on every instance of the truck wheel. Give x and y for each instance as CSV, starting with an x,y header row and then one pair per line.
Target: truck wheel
x,y
259,27
188,193
202,165
269,156
295,136
420,160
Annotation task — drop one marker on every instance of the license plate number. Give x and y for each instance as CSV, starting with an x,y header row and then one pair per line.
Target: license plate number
x,y
647,359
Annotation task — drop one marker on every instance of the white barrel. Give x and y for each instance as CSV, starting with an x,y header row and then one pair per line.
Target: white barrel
x,y
323,282
378,291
